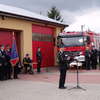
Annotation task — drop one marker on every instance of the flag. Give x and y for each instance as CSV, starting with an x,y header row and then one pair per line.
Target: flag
x,y
14,52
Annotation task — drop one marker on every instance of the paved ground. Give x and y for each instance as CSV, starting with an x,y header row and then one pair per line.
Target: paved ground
x,y
44,86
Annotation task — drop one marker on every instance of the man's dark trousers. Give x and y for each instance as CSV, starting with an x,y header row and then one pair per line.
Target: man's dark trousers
x,y
39,66
62,75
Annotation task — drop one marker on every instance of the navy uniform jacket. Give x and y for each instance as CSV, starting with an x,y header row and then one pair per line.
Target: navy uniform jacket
x,y
1,62
3,56
94,56
27,60
62,60
39,56
87,55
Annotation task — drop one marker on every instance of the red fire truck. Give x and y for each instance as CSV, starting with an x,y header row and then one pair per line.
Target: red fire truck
x,y
76,42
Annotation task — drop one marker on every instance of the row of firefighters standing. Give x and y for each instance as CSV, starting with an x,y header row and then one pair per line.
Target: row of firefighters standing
x,y
5,64
91,58
7,71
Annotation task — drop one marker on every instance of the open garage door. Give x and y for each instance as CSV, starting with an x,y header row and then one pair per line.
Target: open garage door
x,y
6,38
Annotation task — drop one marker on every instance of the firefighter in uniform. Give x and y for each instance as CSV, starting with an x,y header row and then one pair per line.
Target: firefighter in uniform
x,y
27,64
62,68
99,55
87,58
94,58
4,63
8,58
1,66
16,70
39,60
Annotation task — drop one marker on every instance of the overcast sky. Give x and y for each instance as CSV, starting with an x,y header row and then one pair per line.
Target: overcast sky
x,y
75,12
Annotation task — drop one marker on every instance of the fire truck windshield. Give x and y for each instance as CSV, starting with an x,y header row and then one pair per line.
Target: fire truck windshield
x,y
70,41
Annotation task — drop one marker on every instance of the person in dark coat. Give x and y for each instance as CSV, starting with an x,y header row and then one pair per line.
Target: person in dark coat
x,y
39,60
94,58
1,67
99,55
16,70
62,68
4,67
87,58
8,58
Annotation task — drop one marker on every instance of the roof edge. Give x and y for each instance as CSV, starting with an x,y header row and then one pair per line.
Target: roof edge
x,y
31,19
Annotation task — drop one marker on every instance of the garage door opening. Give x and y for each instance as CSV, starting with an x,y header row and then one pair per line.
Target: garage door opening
x,y
43,37
6,37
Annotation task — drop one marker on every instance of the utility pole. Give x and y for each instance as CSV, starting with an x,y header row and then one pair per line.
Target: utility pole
x,y
82,26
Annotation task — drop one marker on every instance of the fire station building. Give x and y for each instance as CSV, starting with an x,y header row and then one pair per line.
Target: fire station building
x,y
31,31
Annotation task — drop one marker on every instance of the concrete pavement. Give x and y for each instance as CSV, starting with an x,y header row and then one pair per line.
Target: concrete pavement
x,y
44,86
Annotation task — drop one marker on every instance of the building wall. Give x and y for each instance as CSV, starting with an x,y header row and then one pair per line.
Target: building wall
x,y
26,33
57,31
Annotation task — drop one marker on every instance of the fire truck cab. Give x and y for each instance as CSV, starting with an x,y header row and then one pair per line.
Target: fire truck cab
x,y
74,42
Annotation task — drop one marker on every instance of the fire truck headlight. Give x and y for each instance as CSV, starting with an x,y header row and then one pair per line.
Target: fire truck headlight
x,y
92,44
66,55
80,40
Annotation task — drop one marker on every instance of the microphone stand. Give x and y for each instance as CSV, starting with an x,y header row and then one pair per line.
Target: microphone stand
x,y
77,86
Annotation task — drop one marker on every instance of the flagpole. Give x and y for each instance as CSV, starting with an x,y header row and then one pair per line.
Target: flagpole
x,y
12,63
